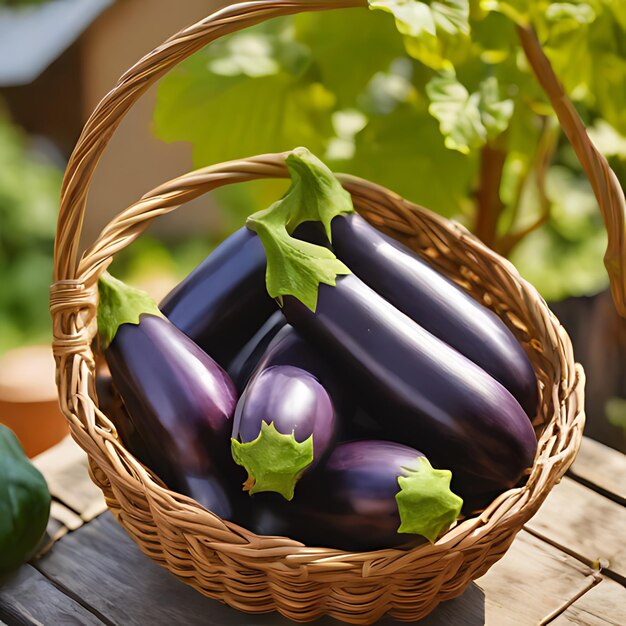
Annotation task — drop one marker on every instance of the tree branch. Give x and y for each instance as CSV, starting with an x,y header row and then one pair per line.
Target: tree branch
x,y
489,206
543,156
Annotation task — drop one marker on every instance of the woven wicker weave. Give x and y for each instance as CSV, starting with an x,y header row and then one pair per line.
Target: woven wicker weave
x,y
261,574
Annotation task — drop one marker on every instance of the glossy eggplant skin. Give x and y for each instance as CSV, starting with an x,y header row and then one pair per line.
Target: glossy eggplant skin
x,y
223,302
436,304
293,400
244,364
112,405
348,502
288,388
181,403
290,348
423,392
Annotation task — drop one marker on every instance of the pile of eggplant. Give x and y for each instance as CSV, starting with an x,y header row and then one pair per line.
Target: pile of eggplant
x,y
314,378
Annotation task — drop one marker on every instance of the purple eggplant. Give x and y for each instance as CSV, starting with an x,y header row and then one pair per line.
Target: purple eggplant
x,y
223,302
242,366
435,303
111,404
368,495
180,400
423,392
285,420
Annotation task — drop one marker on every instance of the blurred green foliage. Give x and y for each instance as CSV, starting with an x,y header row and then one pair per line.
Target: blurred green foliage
x,y
20,3
412,100
616,412
29,192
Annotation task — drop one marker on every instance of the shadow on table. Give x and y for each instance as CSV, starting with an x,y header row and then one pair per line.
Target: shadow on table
x,y
100,567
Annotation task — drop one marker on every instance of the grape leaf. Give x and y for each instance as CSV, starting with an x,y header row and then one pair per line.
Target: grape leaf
x,y
416,18
405,152
467,120
229,105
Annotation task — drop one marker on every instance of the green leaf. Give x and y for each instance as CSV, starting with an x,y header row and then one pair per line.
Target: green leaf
x,y
414,18
608,140
230,102
255,53
274,461
618,9
24,503
516,10
615,409
297,267
495,113
120,304
426,504
466,120
581,13
405,152
348,48
432,29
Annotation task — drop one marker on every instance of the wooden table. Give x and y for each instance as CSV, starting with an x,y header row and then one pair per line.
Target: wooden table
x,y
568,566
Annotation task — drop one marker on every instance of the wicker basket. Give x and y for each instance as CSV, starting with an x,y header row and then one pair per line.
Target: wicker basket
x,y
261,574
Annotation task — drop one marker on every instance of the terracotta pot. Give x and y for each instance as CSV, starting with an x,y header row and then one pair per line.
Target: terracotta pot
x,y
28,398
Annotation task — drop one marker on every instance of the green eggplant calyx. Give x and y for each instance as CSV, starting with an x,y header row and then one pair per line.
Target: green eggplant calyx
x,y
296,267
274,461
24,504
425,502
120,304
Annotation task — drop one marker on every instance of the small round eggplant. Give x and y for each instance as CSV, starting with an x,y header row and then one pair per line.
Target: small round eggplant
x,y
180,400
285,420
367,495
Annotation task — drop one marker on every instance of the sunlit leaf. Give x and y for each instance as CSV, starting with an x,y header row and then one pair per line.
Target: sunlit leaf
x,y
412,17
467,120
608,140
405,152
565,11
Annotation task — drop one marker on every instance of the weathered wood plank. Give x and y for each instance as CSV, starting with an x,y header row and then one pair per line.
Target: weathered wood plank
x,y
65,516
531,581
102,566
585,523
601,468
602,605
65,469
28,598
61,521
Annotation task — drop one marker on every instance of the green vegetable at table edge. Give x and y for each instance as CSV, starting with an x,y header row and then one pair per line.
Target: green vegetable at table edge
x,y
24,503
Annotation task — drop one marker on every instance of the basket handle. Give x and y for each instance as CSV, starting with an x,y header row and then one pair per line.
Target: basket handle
x,y
109,113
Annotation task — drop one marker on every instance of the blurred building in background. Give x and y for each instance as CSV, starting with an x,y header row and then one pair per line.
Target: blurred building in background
x,y
71,52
